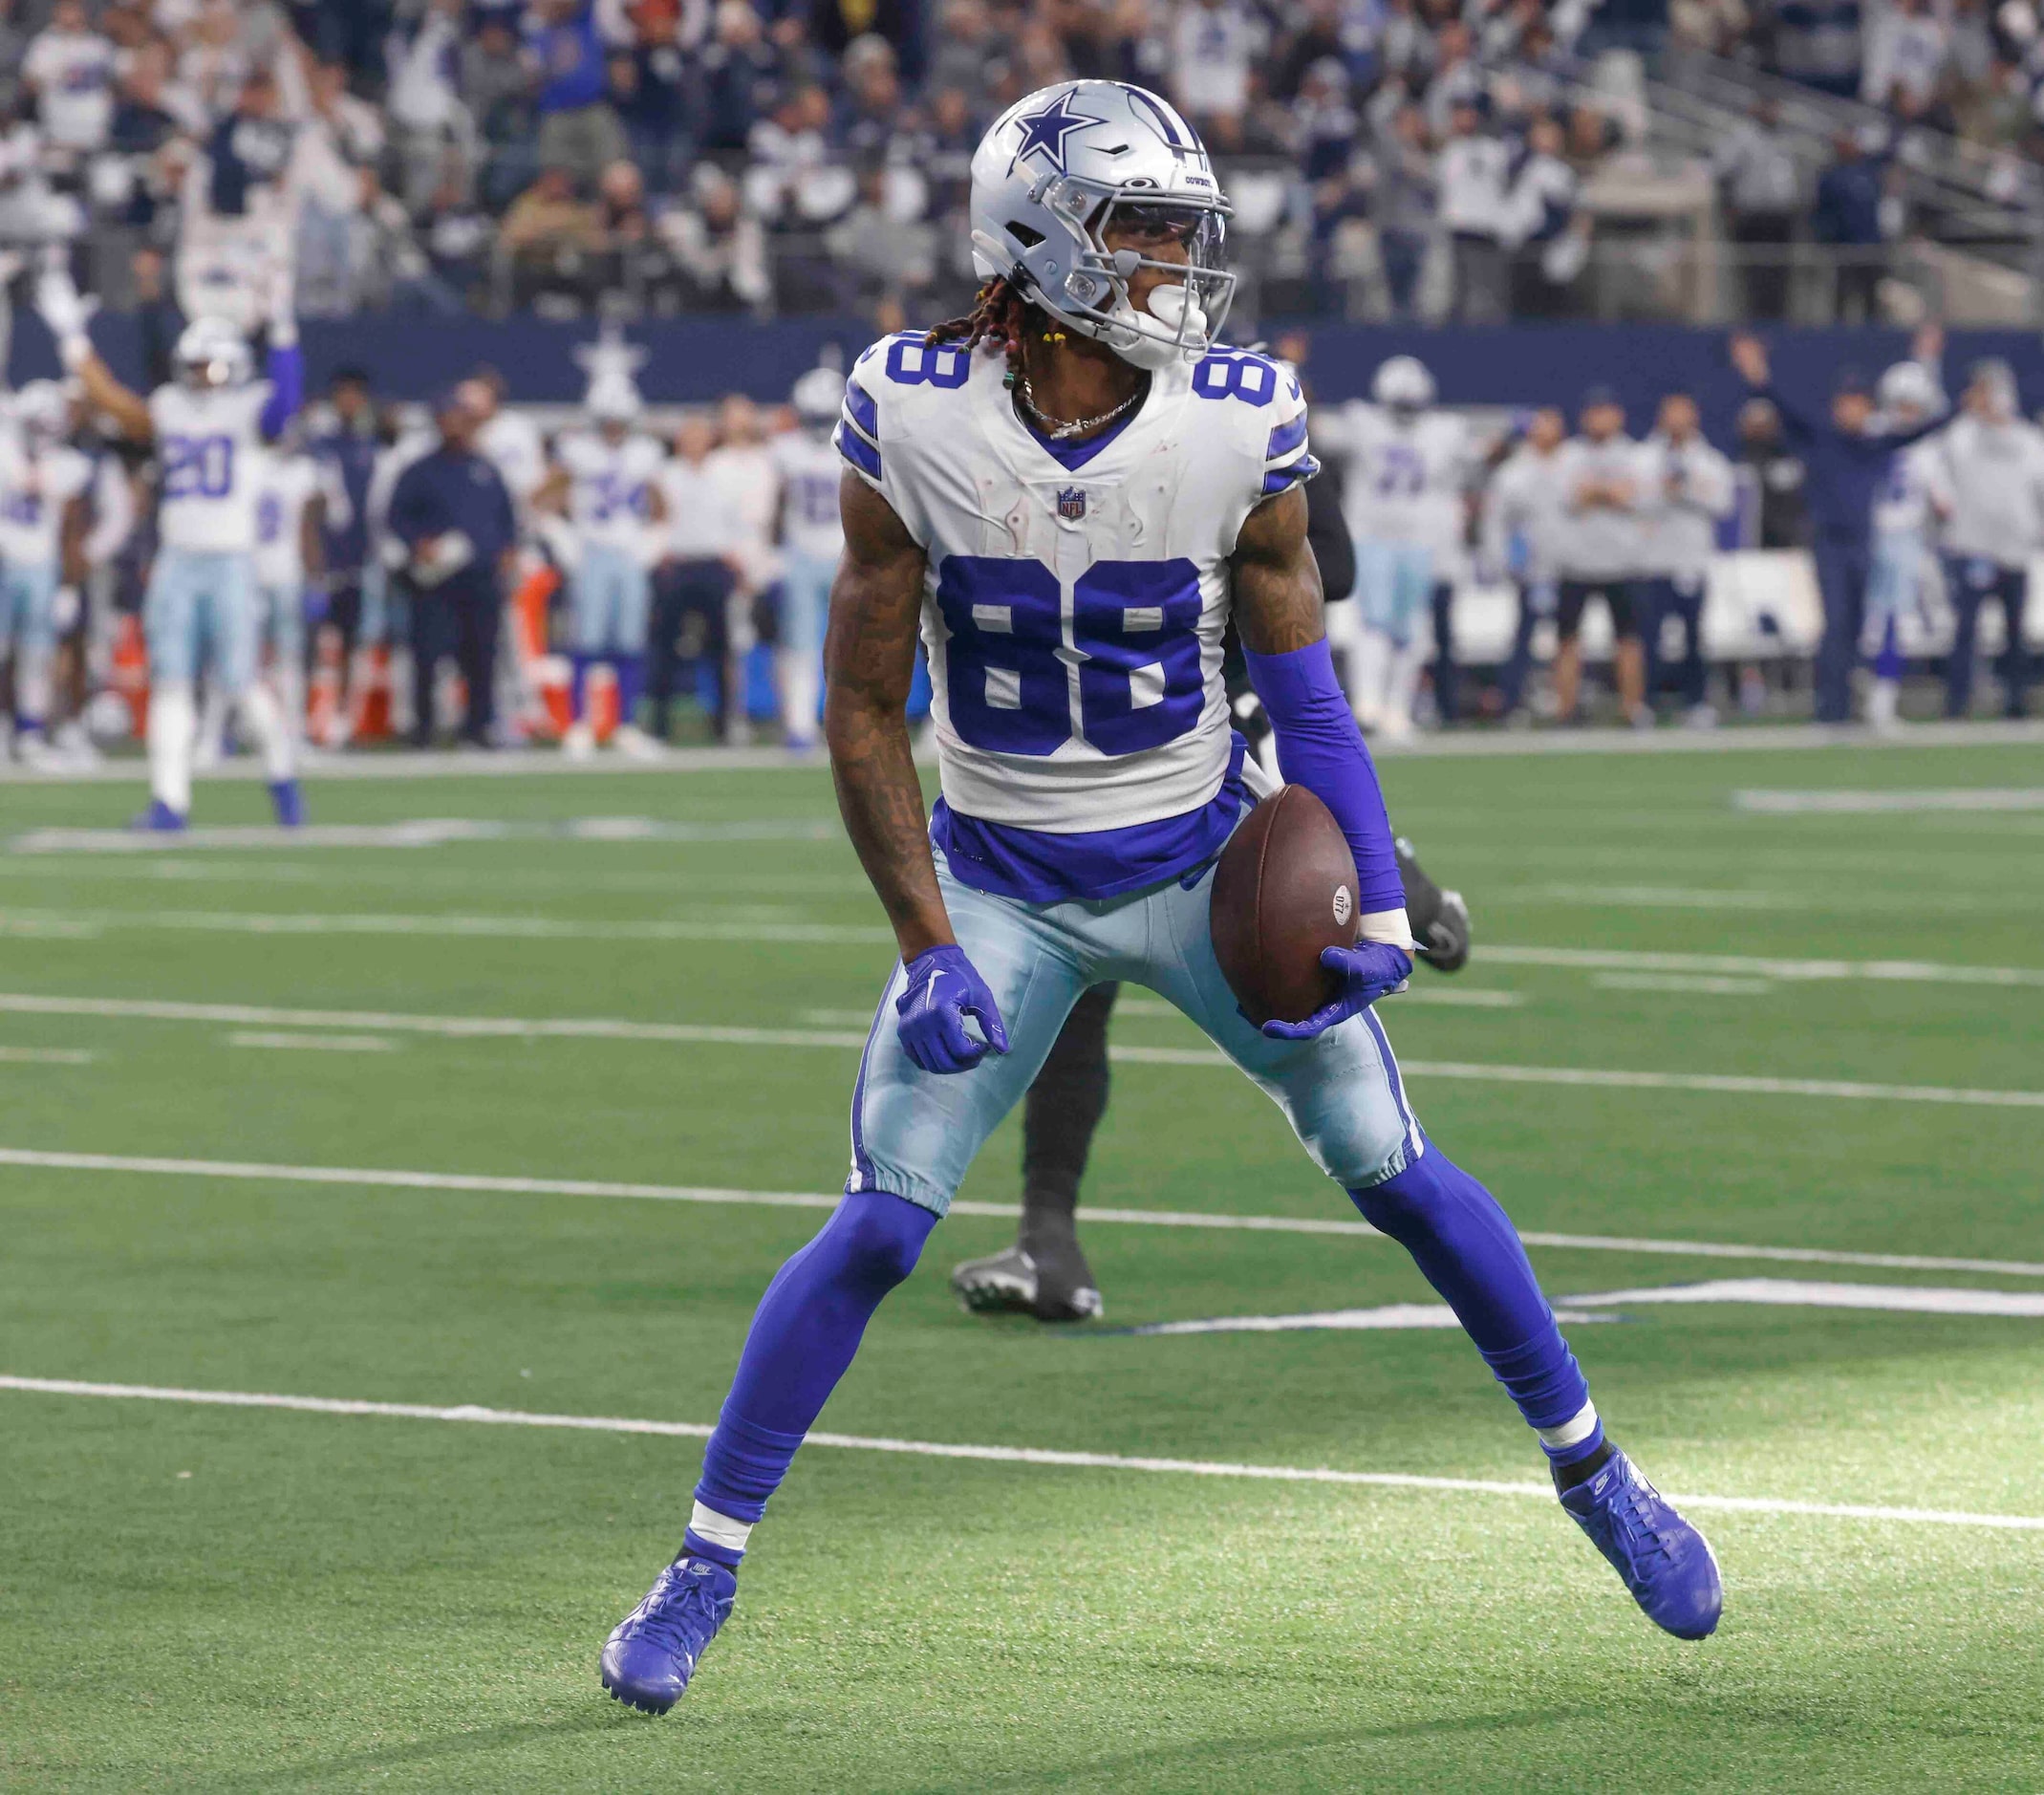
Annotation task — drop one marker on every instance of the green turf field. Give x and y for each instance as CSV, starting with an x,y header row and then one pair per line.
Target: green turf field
x,y
246,1598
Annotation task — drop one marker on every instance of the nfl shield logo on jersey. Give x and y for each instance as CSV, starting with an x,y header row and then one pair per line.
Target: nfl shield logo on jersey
x,y
1071,504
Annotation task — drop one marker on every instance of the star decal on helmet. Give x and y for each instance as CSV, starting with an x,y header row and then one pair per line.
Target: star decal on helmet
x,y
1044,132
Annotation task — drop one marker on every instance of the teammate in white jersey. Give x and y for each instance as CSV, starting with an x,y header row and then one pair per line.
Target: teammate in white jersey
x,y
43,483
300,498
1408,475
208,427
811,538
1908,504
1071,494
608,476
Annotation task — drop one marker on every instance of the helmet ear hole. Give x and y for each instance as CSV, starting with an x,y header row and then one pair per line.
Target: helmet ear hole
x,y
1027,235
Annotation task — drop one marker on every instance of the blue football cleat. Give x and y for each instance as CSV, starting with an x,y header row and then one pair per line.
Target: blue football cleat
x,y
653,1651
289,802
159,819
1663,1560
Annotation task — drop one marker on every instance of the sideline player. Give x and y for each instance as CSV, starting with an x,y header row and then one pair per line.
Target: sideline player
x,y
1684,488
43,484
208,426
811,538
1408,470
609,477
1071,514
1909,502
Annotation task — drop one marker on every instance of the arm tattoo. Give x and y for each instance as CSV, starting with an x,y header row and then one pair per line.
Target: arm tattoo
x,y
868,661
1276,580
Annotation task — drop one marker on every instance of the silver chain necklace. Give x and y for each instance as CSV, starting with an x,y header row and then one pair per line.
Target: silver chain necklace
x,y
1059,428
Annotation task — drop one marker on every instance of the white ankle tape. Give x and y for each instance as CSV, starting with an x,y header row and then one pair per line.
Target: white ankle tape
x,y
1572,1432
718,1529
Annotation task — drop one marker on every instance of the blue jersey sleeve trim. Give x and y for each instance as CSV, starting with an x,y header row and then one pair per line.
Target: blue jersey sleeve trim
x,y
1286,438
859,452
1290,474
863,410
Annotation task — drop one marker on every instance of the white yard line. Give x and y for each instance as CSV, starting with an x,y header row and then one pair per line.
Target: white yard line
x,y
392,1179
706,1035
1875,971
1941,801
47,1056
1701,984
740,928
476,1415
418,833
318,1043
1769,1292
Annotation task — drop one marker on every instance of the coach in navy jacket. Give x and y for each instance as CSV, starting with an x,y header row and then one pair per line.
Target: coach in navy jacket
x,y
453,513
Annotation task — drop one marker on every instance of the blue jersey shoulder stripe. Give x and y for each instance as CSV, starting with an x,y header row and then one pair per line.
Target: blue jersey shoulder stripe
x,y
859,452
1290,474
1286,438
861,407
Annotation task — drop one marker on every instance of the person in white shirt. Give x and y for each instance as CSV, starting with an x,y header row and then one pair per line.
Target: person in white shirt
x,y
1213,44
1598,552
43,481
508,438
208,427
1994,465
1686,488
70,69
299,499
1522,513
696,583
1907,505
742,468
1473,175
812,538
608,477
1408,475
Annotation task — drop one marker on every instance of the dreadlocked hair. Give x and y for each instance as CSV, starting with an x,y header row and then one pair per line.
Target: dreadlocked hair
x,y
1000,315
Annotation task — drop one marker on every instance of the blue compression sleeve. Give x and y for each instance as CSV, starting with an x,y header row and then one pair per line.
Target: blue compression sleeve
x,y
1320,747
286,390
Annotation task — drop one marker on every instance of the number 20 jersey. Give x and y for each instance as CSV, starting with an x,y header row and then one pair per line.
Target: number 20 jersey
x,y
209,463
1073,617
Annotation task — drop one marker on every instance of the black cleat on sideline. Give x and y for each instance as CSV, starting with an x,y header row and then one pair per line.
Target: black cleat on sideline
x,y
1056,1287
1439,919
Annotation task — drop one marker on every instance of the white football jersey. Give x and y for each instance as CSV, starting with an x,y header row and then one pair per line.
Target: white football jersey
x,y
209,455
512,441
1073,617
748,485
35,488
285,487
1406,476
608,486
1915,477
810,471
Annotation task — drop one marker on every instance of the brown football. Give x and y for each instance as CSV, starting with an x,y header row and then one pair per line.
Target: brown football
x,y
1285,890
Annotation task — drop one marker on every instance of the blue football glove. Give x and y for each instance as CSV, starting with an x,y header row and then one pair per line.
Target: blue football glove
x,y
1369,971
943,991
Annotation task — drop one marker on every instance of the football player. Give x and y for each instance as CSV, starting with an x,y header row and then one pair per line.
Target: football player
x,y
43,485
1045,1273
1068,494
1907,504
1408,476
609,474
811,540
208,427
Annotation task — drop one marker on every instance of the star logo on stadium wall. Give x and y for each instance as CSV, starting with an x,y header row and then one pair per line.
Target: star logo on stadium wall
x,y
1044,132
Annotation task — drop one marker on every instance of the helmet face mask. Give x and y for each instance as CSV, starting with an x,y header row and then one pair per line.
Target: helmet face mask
x,y
1082,189
212,353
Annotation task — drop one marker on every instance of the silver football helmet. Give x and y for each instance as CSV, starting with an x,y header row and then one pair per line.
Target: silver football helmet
x,y
1403,384
1053,179
212,352
1908,386
42,412
817,397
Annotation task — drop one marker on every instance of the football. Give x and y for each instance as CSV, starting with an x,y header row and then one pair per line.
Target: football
x,y
1285,890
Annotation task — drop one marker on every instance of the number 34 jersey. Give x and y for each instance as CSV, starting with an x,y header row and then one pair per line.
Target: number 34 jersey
x,y
1073,615
209,462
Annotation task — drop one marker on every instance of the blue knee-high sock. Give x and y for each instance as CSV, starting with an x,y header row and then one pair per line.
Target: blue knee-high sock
x,y
579,692
1887,661
630,670
1468,1249
807,1327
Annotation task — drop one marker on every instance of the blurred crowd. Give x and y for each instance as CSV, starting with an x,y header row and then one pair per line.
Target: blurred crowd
x,y
634,156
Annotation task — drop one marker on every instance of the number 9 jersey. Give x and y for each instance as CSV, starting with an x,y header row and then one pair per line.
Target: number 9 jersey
x,y
1074,603
209,456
